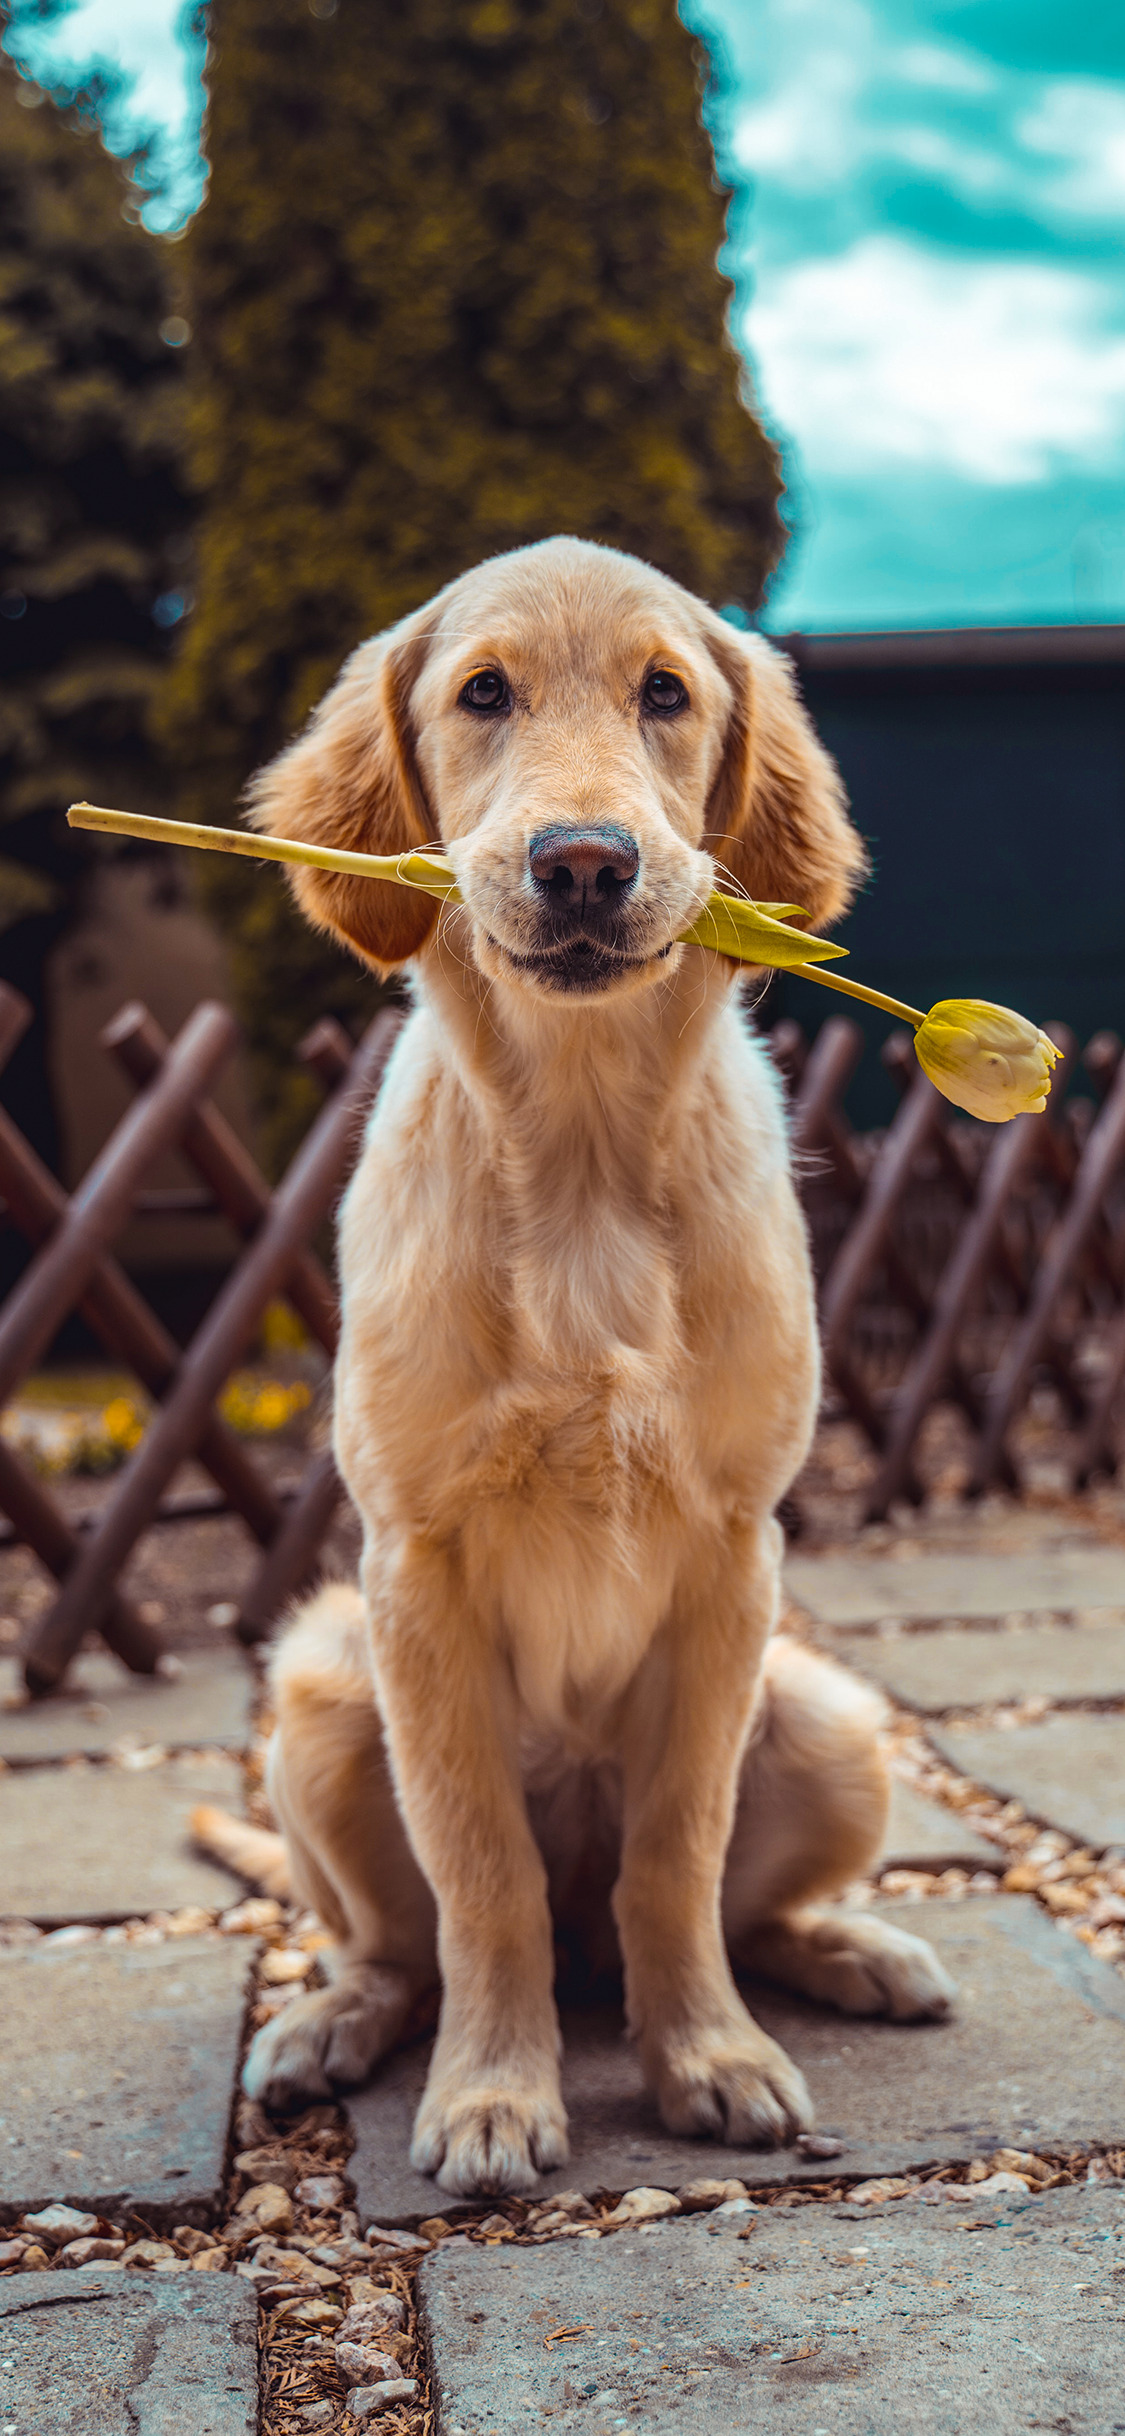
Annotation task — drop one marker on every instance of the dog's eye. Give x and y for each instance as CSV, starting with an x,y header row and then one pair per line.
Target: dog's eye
x,y
486,692
664,692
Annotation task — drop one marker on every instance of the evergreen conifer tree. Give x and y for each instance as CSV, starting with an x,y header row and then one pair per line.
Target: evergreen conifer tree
x,y
93,519
454,289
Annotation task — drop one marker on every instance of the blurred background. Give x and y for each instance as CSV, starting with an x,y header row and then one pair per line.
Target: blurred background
x,y
307,304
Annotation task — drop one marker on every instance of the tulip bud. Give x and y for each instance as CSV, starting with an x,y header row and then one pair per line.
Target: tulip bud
x,y
986,1059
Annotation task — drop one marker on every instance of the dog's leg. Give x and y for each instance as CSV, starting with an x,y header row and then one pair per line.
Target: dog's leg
x,y
811,1812
492,2115
331,1790
712,2069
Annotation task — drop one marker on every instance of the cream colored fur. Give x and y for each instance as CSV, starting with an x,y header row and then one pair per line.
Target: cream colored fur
x,y
578,1370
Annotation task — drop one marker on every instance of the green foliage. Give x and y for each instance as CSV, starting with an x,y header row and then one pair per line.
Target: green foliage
x,y
454,289
92,513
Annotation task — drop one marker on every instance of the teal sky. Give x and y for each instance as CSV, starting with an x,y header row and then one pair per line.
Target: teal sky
x,y
928,257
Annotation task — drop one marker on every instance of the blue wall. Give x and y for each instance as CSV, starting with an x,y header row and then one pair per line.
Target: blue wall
x,y
993,802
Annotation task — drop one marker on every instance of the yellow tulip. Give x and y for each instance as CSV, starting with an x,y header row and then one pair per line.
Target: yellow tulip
x,y
986,1059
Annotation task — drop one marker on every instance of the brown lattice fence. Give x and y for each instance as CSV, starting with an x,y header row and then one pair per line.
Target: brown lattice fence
x,y
955,1261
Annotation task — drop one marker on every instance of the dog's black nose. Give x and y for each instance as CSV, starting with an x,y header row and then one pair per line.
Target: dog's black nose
x,y
584,869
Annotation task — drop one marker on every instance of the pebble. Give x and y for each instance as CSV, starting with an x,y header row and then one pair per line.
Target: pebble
x,y
206,2260
34,2258
382,2314
79,2253
316,2414
1021,2161
824,2144
284,1963
10,2251
249,1918
269,2205
364,2399
147,2253
636,2206
315,2313
320,2191
272,2165
58,2224
703,2194
362,2365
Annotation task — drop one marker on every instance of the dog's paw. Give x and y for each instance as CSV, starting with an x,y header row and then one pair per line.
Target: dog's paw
x,y
858,1963
326,2041
878,1968
730,2084
489,2140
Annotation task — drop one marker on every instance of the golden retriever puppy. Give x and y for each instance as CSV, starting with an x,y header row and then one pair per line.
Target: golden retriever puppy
x,y
578,1370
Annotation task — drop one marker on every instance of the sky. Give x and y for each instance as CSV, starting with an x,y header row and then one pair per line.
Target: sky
x,y
927,253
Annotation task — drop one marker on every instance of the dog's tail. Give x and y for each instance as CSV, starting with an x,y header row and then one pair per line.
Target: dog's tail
x,y
254,1853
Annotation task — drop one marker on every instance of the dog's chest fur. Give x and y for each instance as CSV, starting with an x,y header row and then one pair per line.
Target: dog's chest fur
x,y
566,1319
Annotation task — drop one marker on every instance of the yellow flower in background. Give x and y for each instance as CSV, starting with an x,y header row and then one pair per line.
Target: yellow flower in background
x,y
986,1059
123,1424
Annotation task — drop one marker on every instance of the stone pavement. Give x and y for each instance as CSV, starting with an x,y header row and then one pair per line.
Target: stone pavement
x,y
119,2064
1033,2055
936,1671
1069,1769
207,1701
121,2051
1062,1578
813,2323
925,1835
110,1843
138,2355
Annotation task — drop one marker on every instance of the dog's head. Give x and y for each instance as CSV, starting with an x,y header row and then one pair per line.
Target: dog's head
x,y
594,750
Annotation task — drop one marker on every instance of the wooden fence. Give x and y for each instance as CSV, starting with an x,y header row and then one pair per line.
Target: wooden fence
x,y
965,1262
954,1260
73,1268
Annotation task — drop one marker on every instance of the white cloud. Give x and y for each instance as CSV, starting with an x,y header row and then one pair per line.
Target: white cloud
x,y
160,95
966,168
997,370
1080,123
942,70
807,131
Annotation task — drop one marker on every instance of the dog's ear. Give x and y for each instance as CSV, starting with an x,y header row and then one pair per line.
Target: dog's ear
x,y
777,821
351,780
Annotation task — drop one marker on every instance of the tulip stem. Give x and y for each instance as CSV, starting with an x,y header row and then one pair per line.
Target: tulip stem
x,y
855,989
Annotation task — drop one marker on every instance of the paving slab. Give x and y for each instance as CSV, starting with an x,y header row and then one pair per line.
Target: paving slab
x,y
119,2071
922,1834
815,2324
1061,1579
934,1671
128,2355
1068,1770
107,1843
101,1704
1033,2054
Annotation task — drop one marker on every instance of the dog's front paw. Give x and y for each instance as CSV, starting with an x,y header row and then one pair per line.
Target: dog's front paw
x,y
489,2139
732,2084
328,2040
